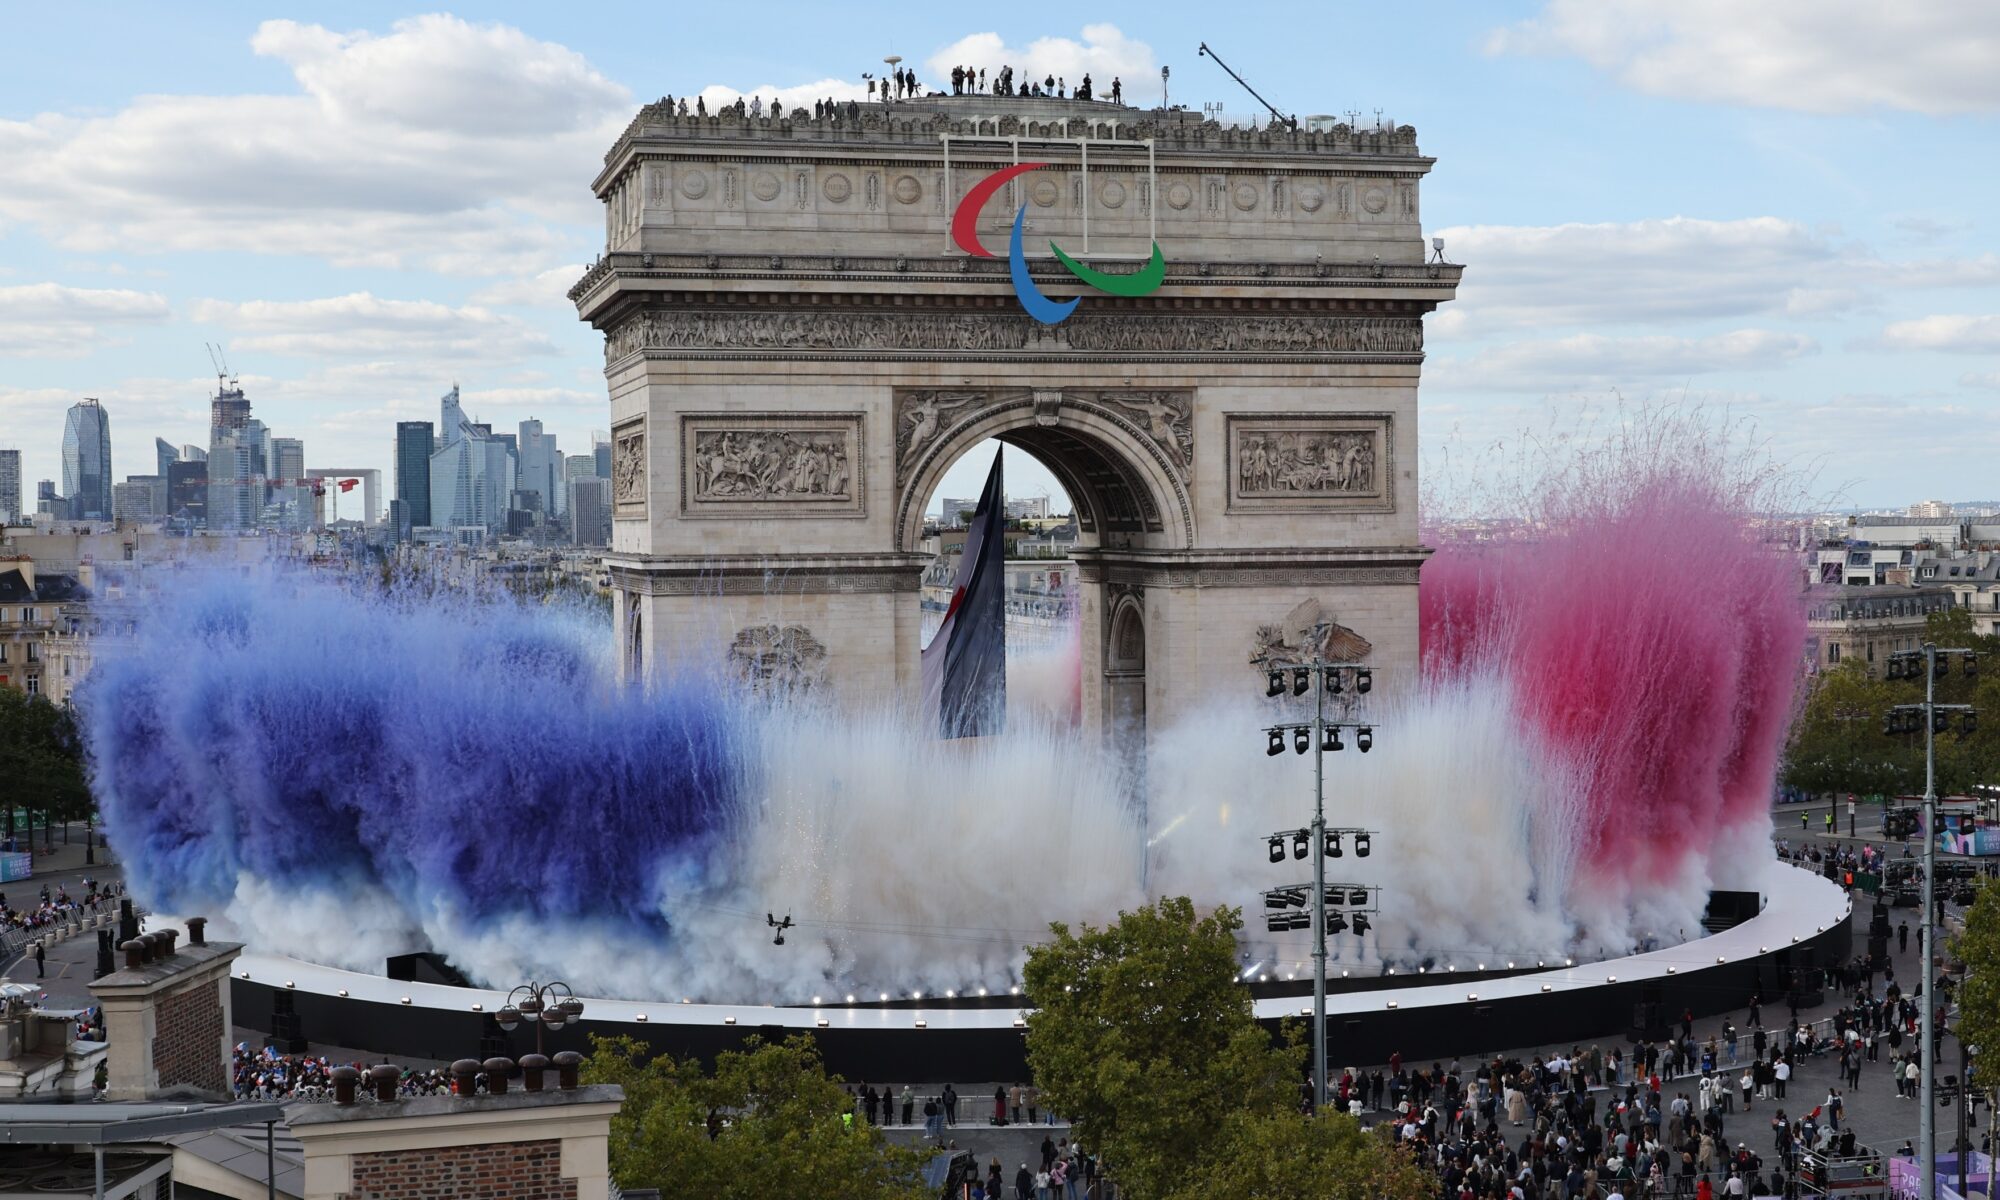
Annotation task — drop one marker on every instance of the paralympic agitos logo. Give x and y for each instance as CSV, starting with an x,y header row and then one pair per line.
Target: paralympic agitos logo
x,y
965,232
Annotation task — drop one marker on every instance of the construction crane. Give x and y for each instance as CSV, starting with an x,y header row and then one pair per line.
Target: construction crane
x,y
220,362
1291,123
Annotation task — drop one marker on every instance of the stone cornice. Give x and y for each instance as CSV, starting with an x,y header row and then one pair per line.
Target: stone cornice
x,y
960,333
1279,567
1436,282
765,575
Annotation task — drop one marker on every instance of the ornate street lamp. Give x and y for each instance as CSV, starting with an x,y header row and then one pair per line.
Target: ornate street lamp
x,y
548,1005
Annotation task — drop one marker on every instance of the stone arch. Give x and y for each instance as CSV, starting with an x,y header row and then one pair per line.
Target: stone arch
x,y
1128,490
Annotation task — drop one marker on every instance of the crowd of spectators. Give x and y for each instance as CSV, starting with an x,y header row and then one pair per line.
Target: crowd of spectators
x,y
267,1075
51,907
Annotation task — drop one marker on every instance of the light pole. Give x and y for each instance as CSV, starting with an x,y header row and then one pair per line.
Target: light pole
x,y
1933,715
892,60
1322,736
550,1005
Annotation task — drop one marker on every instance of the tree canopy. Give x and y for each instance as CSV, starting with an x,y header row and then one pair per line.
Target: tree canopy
x,y
1978,947
1838,744
41,757
1144,1038
778,1127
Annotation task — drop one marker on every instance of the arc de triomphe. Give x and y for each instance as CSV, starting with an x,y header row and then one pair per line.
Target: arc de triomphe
x,y
796,351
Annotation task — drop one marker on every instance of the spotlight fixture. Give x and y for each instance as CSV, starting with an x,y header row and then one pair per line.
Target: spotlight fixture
x,y
1358,898
1336,680
1361,845
1971,664
1276,687
1940,721
1277,849
1300,841
773,922
1301,680
1329,741
1364,680
1968,722
1277,745
1335,924
1275,900
1302,739
1364,738
1333,849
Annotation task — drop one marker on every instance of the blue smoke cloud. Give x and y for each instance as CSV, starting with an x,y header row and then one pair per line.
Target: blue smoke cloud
x,y
463,754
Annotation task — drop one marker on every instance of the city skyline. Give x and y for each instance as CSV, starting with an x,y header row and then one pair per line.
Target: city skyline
x,y
1757,249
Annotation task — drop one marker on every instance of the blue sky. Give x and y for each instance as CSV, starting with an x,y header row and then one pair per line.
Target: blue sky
x,y
1785,211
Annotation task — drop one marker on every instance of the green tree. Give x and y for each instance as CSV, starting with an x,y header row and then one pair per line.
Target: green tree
x,y
1838,743
779,1126
1290,1156
41,759
1978,947
1143,1037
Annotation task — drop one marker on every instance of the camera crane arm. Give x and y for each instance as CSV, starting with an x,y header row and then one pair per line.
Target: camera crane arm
x,y
1291,123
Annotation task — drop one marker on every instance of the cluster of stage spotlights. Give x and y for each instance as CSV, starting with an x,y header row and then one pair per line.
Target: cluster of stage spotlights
x,y
1329,738
1338,680
1302,843
1909,664
1285,908
1909,718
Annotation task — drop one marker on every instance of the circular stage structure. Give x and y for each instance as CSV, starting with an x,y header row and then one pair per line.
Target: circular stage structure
x,y
1801,924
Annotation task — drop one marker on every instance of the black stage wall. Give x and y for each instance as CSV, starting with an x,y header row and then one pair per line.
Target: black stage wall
x,y
1554,1020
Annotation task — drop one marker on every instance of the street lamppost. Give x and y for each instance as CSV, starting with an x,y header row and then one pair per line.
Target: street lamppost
x,y
1322,737
548,1005
1932,718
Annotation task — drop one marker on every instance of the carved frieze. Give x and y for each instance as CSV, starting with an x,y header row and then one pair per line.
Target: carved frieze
x,y
1310,463
771,465
779,332
921,416
1306,633
628,469
1166,416
780,661
1287,334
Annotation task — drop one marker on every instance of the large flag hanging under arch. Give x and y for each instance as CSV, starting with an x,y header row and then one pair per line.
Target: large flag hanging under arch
x,y
965,666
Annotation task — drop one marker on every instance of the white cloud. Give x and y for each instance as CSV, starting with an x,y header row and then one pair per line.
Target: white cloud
x,y
543,289
1590,361
1105,53
361,325
1981,379
440,144
1673,269
50,320
1651,270
1818,56
1954,334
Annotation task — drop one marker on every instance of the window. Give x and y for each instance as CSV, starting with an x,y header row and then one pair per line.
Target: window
x,y
34,685
34,652
3,652
1871,652
1833,652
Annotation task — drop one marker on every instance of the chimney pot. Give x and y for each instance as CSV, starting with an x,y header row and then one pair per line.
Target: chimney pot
x,y
497,1071
464,1077
169,942
532,1067
344,1079
151,941
385,1078
135,954
566,1065
197,931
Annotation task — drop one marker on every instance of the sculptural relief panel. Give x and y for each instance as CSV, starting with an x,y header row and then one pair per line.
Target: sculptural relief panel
x,y
628,469
1310,463
772,465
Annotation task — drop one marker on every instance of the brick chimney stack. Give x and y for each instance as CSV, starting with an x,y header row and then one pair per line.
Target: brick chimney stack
x,y
167,1017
